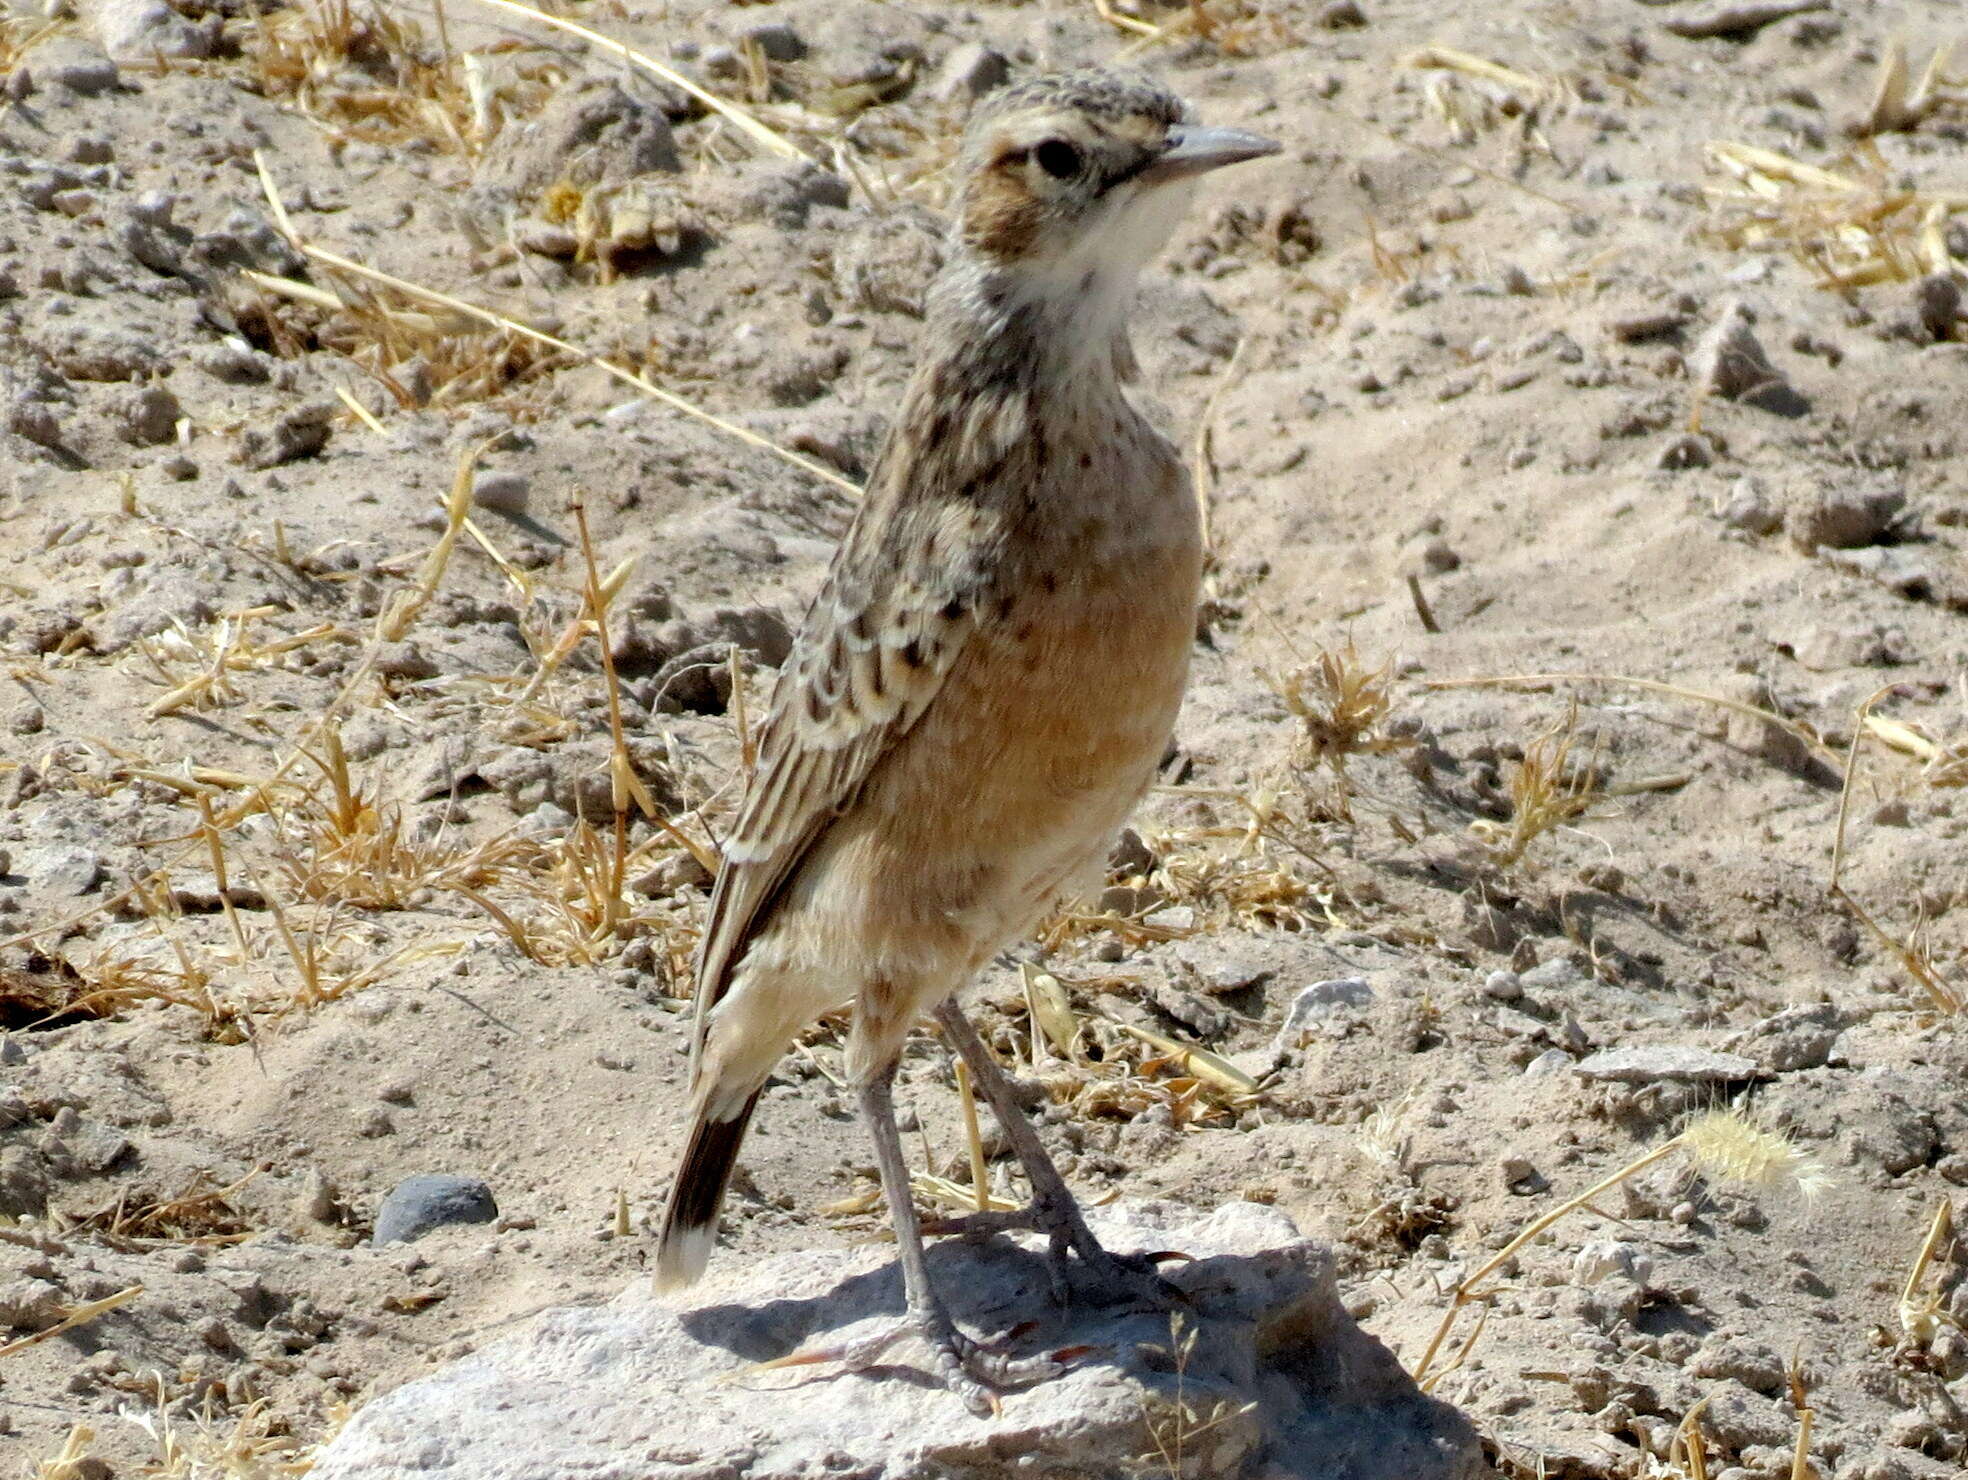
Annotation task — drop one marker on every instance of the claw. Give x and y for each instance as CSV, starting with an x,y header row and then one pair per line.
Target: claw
x,y
967,1367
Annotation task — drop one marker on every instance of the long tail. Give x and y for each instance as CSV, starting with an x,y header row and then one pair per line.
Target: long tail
x,y
690,1220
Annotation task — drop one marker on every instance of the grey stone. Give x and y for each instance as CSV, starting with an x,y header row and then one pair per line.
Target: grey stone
x,y
1937,302
1287,1382
594,135
1796,1038
1730,362
776,41
1560,974
1599,1259
1647,1063
1325,1007
61,868
698,678
430,1200
37,423
167,596
405,660
158,246
969,72
1682,451
1826,647
295,434
1202,1017
502,491
1845,515
78,67
1751,1363
1735,17
30,1305
236,364
95,352
138,30
78,1147
148,415
1551,1061
1746,506
1520,1025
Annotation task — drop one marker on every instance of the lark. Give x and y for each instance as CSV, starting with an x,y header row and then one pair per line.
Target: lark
x,y
983,688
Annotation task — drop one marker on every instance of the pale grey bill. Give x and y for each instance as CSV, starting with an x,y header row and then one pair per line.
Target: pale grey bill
x,y
1194,148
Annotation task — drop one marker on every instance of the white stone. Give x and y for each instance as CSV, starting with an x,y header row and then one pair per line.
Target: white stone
x,y
1648,1062
1325,1007
644,1387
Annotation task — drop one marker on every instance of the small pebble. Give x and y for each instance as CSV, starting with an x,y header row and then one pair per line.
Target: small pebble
x,y
418,1204
502,491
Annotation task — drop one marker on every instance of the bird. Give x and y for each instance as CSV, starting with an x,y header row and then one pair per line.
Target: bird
x,y
987,681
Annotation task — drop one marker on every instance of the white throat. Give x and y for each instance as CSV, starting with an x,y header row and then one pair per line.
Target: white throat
x,y
1085,291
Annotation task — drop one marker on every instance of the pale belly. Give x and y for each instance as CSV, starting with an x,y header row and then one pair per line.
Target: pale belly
x,y
1013,785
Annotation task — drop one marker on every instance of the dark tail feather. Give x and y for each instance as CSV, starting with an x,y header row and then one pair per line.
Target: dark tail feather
x,y
690,1219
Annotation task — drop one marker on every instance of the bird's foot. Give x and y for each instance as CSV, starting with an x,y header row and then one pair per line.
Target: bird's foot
x,y
970,1369
1099,1276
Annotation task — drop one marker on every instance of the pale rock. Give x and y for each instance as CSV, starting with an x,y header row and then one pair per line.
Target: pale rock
x,y
1730,362
643,1386
1551,1061
1797,1038
140,30
61,869
1600,1258
1326,1008
969,72
1646,1063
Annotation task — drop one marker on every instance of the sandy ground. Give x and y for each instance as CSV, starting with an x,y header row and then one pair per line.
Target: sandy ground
x,y
311,879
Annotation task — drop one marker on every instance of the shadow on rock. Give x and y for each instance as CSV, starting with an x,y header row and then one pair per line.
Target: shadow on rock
x,y
1253,1369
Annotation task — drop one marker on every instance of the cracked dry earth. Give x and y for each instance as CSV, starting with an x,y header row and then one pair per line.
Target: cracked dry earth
x,y
1561,341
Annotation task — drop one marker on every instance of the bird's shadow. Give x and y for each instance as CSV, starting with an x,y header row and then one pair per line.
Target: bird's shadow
x,y
990,1285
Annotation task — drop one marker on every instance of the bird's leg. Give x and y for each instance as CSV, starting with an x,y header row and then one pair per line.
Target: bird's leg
x,y
1054,1211
965,1367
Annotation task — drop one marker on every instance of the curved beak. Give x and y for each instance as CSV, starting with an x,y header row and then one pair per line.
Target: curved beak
x,y
1194,149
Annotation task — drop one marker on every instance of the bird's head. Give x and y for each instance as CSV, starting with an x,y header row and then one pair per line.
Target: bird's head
x,y
1072,182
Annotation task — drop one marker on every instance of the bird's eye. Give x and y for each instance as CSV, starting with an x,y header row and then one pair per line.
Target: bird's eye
x,y
1058,159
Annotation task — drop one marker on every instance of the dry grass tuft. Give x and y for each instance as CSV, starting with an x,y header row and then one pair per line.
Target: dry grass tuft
x,y
1101,1067
1174,1424
345,844
1901,104
421,357
198,668
1850,227
68,1462
256,1446
1923,1313
1729,1146
1341,705
198,1213
367,72
1943,766
1343,708
1548,788
21,31
1474,95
